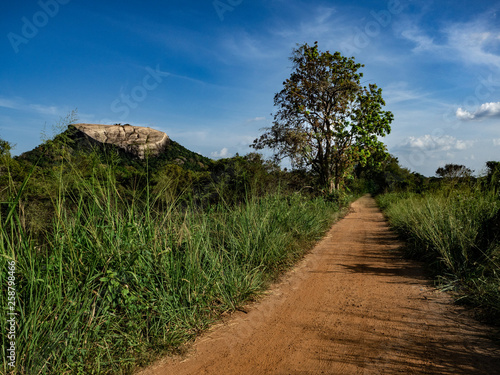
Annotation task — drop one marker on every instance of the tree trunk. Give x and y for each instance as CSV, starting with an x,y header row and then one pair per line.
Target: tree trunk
x,y
332,186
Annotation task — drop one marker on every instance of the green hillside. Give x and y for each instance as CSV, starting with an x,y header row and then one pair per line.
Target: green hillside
x,y
73,143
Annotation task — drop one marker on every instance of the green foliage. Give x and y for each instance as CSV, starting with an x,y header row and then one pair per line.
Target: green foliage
x,y
5,164
172,183
235,178
72,144
326,120
120,259
493,175
179,155
176,175
454,171
114,280
5,148
385,174
455,229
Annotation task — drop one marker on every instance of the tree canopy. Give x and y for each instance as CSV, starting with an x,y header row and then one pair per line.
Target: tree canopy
x,y
327,121
5,147
454,171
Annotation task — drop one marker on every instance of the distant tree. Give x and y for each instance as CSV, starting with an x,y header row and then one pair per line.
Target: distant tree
x,y
326,121
493,167
385,173
493,176
8,168
5,148
454,171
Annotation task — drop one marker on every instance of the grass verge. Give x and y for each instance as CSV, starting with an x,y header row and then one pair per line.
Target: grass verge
x,y
114,283
456,231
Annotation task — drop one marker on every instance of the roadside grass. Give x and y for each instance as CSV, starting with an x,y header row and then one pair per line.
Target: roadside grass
x,y
456,230
114,283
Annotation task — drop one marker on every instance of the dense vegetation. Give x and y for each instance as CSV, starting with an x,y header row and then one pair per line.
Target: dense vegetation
x,y
454,225
119,260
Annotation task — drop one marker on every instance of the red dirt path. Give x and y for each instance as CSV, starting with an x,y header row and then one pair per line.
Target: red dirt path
x,y
352,306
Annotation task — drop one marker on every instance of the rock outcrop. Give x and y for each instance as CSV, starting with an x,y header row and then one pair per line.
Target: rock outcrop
x,y
133,139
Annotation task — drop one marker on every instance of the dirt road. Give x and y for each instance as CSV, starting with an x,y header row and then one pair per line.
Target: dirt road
x,y
352,306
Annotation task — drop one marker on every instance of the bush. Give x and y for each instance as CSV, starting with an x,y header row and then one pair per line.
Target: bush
x,y
456,231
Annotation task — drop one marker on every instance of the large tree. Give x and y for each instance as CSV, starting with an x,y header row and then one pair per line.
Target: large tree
x,y
326,121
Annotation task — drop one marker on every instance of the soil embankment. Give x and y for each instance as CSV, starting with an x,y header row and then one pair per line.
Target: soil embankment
x,y
352,306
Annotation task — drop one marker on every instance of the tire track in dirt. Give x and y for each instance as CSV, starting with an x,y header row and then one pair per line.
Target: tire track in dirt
x,y
351,306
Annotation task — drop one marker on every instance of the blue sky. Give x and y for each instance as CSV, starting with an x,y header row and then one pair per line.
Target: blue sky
x,y
205,72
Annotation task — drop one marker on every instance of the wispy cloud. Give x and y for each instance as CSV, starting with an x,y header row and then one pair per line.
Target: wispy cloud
x,y
21,105
485,110
255,119
423,42
44,110
8,103
247,47
274,42
400,92
324,14
474,42
318,24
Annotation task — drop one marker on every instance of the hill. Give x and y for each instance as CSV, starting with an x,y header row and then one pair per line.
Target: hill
x,y
135,146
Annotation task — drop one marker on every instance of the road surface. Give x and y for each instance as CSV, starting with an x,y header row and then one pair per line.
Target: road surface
x,y
351,306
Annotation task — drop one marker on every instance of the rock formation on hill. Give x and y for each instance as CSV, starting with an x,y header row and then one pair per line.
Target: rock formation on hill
x,y
134,139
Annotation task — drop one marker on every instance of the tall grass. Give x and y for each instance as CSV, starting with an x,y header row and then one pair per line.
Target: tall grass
x,y
114,282
456,230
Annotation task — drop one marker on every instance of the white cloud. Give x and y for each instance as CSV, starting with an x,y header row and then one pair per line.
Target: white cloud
x,y
255,119
427,152
462,114
430,143
224,153
496,142
485,110
463,145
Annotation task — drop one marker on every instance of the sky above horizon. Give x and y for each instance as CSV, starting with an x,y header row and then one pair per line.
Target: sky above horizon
x,y
206,72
